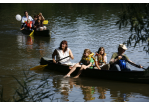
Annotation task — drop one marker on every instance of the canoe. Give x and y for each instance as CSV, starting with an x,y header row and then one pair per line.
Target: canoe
x,y
45,33
133,76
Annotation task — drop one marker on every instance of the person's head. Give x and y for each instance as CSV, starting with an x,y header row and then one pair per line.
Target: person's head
x,y
38,20
63,45
25,13
87,52
39,17
28,20
101,51
121,48
35,17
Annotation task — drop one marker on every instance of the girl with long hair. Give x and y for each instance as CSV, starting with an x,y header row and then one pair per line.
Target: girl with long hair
x,y
100,58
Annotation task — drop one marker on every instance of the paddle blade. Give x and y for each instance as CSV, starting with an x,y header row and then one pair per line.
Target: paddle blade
x,y
45,22
32,33
40,67
18,17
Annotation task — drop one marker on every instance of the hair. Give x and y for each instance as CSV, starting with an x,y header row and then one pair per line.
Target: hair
x,y
25,11
102,54
63,42
35,16
87,51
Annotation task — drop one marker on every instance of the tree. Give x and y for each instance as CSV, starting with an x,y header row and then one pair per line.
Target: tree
x,y
137,17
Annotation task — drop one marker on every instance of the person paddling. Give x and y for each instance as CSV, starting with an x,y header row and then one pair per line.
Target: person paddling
x,y
119,59
62,52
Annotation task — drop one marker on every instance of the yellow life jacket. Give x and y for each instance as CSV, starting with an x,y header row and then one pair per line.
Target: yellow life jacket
x,y
88,58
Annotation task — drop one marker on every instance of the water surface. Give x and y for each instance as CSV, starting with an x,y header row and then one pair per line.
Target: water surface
x,y
83,26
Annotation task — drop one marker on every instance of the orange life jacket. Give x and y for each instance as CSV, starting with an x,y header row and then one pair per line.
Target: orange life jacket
x,y
29,25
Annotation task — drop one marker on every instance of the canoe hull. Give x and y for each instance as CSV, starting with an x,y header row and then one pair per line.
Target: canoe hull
x,y
133,76
45,33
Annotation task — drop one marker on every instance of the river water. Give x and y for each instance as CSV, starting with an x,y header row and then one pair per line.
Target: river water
x,y
83,26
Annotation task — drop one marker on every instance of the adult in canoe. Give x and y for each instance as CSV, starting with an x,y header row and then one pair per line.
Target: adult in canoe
x,y
119,59
62,52
24,18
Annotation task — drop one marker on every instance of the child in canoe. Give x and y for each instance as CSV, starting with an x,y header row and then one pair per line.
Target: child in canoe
x,y
101,60
86,61
28,25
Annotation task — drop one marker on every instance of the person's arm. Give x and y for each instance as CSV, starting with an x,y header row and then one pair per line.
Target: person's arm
x,y
105,59
22,20
22,28
42,16
53,56
88,65
113,60
96,63
70,54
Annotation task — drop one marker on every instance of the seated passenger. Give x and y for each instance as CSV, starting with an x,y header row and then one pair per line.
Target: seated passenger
x,y
26,17
28,25
35,18
86,62
39,24
101,59
118,60
62,52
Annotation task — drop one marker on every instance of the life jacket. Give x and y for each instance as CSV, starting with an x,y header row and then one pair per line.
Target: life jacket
x,y
100,60
88,59
29,25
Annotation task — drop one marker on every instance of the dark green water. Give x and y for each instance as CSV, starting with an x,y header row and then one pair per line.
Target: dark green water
x,y
83,26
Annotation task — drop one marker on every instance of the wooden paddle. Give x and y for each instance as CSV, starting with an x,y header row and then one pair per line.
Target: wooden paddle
x,y
41,67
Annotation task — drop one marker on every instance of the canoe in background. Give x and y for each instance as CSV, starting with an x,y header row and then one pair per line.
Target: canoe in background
x,y
133,76
45,33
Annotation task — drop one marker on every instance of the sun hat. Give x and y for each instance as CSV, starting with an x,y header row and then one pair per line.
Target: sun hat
x,y
122,46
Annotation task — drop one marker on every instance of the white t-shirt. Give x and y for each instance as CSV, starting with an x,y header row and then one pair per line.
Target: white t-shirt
x,y
25,19
63,55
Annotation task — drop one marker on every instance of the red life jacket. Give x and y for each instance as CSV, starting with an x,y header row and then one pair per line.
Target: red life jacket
x,y
29,25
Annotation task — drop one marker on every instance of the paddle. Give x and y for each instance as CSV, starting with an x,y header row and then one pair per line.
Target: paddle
x,y
41,67
132,63
45,22
32,33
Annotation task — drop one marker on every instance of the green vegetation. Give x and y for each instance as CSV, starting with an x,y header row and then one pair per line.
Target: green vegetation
x,y
137,17
30,90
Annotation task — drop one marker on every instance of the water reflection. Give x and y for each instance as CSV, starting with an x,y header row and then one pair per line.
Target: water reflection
x,y
99,90
83,26
31,43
